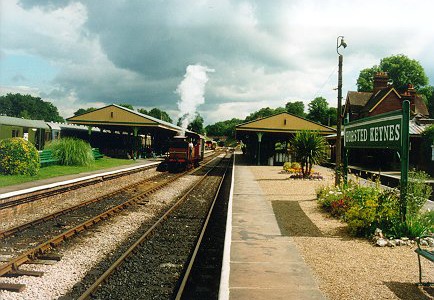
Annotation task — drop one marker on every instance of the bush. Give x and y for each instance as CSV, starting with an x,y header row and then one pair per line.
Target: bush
x,y
18,156
364,208
415,225
71,152
418,191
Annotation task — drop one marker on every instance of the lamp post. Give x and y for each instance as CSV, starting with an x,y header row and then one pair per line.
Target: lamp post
x,y
339,43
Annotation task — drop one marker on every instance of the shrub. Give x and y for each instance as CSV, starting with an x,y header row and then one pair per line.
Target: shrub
x,y
418,191
18,156
309,148
415,225
364,208
72,152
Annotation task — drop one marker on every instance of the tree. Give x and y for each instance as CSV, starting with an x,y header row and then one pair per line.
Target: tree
x,y
263,113
126,105
428,93
402,71
295,108
159,114
197,125
310,149
332,116
318,110
28,107
223,128
365,82
430,105
81,111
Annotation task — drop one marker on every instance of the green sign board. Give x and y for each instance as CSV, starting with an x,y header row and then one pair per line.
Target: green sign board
x,y
382,131
389,130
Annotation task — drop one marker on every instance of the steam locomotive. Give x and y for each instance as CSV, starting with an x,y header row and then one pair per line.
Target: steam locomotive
x,y
184,153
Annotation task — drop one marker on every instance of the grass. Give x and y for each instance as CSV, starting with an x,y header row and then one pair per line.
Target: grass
x,y
57,170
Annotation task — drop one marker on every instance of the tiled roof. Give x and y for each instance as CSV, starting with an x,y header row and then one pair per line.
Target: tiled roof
x,y
358,98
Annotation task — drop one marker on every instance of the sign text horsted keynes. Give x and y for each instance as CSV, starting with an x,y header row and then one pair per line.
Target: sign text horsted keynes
x,y
382,131
389,130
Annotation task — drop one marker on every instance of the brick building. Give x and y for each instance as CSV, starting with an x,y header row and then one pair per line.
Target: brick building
x,y
385,98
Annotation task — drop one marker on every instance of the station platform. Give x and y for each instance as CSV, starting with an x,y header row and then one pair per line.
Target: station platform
x,y
259,262
31,186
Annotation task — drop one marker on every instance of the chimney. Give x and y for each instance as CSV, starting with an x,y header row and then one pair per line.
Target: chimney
x,y
380,81
410,95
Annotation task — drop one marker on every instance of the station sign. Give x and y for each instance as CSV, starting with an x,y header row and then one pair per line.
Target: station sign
x,y
381,131
390,130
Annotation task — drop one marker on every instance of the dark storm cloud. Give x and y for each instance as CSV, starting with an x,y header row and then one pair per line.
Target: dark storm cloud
x,y
161,40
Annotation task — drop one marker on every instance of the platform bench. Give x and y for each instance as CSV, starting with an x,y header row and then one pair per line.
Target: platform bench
x,y
96,153
428,254
46,158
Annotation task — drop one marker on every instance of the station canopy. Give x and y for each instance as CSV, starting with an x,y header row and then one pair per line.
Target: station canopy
x,y
118,118
12,121
282,124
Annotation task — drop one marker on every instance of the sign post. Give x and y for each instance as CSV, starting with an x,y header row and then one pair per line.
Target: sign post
x,y
385,131
405,148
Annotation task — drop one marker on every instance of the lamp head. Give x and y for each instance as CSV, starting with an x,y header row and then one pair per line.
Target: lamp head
x,y
343,44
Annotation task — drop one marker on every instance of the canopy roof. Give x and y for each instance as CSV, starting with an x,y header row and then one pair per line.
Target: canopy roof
x,y
119,118
283,123
12,121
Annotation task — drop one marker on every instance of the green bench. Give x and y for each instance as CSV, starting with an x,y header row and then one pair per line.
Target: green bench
x,y
425,253
46,158
96,153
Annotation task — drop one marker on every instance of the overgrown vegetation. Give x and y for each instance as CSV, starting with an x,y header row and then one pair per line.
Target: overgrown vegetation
x,y
367,207
71,151
18,156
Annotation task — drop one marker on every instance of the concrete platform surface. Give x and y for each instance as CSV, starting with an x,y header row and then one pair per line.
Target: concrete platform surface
x,y
262,263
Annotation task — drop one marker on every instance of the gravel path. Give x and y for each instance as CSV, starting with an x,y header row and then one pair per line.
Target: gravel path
x,y
345,267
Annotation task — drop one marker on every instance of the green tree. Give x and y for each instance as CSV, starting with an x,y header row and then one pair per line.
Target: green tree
x,y
159,114
402,71
81,111
126,105
197,125
295,108
223,128
332,116
428,93
309,148
318,110
29,107
263,113
365,82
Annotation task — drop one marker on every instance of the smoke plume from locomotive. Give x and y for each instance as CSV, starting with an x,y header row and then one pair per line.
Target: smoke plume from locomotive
x,y
192,90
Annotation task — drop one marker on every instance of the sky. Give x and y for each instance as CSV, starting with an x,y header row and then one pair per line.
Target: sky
x,y
263,53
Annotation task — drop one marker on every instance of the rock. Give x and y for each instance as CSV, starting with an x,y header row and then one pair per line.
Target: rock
x,y
391,243
405,239
381,242
430,241
424,243
378,232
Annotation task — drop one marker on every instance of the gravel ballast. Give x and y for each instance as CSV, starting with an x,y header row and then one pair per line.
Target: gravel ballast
x,y
345,267
90,248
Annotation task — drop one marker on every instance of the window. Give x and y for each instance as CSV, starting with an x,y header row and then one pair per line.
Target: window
x,y
15,132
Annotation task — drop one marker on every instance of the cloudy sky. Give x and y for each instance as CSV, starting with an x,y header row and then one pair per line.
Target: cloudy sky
x,y
78,54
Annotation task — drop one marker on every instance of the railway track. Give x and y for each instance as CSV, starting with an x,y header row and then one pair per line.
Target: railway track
x,y
154,265
40,236
34,195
